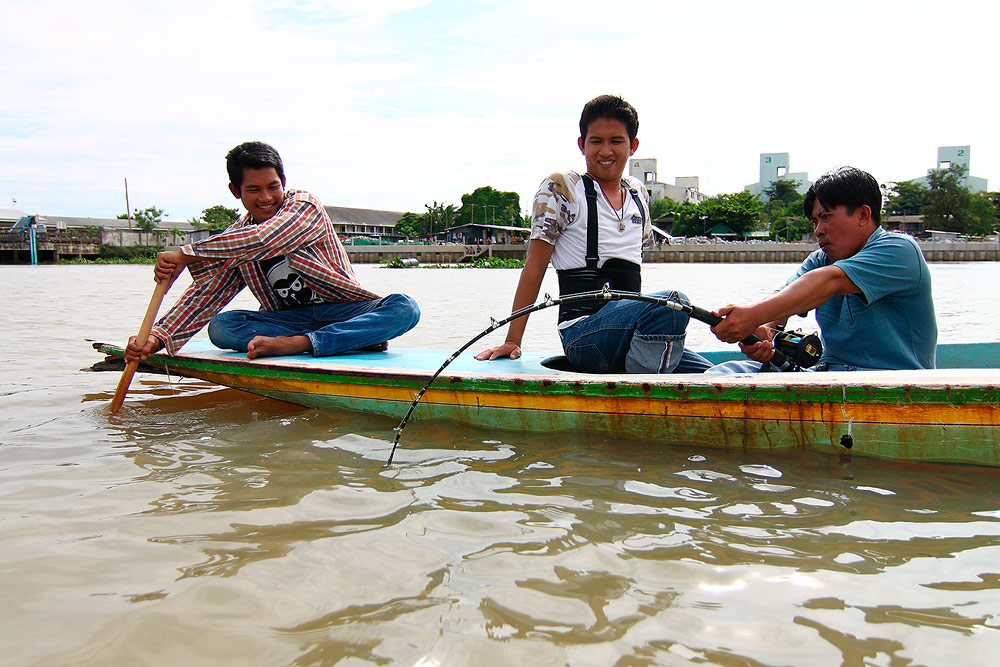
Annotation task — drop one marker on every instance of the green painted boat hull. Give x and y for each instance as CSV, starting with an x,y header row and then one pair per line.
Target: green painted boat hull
x,y
945,415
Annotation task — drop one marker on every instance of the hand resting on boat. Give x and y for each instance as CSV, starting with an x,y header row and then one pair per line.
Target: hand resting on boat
x,y
508,349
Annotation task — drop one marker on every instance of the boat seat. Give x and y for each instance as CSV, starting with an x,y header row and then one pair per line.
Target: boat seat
x,y
560,363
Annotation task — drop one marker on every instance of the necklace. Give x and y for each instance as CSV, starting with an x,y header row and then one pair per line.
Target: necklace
x,y
619,216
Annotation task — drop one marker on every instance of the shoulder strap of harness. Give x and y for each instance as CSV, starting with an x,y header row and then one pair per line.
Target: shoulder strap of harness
x,y
592,256
638,202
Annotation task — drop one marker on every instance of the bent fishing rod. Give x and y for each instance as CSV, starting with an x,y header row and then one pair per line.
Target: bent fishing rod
x,y
605,294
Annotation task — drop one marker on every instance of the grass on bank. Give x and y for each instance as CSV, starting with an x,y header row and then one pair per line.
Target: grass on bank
x,y
147,255
478,263
112,254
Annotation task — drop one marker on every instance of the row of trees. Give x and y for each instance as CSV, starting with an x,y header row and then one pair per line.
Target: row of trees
x,y
484,205
945,203
148,220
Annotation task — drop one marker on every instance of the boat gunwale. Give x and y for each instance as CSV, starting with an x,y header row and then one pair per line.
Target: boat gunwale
x,y
951,381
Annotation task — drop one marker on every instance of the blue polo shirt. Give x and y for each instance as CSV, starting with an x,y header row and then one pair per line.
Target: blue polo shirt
x,y
891,324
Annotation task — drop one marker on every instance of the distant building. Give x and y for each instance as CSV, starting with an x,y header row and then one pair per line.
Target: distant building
x,y
684,189
907,224
475,232
950,155
774,167
350,222
8,216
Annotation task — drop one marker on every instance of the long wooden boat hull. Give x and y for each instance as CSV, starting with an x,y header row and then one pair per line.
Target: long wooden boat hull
x,y
946,415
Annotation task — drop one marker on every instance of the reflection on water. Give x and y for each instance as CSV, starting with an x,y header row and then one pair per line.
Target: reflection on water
x,y
208,526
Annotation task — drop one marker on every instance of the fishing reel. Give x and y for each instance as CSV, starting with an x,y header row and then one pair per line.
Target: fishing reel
x,y
800,349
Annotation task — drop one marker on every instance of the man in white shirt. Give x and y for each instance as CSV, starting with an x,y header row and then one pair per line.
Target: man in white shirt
x,y
592,228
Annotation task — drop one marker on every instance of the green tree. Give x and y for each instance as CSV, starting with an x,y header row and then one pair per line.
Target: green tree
x,y
788,227
662,207
691,220
905,198
146,220
982,216
216,218
740,212
488,206
784,191
948,200
411,224
995,198
438,217
782,213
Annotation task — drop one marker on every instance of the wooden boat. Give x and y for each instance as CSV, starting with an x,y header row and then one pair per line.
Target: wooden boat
x,y
948,415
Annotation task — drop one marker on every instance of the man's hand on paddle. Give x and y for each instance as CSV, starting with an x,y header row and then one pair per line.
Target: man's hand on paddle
x,y
170,263
511,350
135,353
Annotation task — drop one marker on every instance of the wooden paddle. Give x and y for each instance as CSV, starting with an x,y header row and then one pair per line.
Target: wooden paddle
x,y
140,339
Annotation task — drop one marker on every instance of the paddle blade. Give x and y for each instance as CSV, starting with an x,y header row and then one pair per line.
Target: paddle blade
x,y
123,384
140,339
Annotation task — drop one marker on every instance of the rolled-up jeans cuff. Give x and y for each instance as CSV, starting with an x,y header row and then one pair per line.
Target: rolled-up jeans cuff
x,y
313,343
657,353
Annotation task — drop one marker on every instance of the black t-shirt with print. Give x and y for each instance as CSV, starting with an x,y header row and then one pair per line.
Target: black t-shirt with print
x,y
288,285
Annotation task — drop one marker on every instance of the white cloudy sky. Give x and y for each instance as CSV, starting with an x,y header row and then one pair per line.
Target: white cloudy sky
x,y
392,104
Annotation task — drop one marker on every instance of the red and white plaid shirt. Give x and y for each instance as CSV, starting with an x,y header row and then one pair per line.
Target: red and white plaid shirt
x,y
300,230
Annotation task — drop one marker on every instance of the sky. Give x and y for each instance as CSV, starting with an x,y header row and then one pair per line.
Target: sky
x,y
396,104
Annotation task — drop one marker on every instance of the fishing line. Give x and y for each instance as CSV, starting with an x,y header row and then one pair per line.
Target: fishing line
x,y
605,294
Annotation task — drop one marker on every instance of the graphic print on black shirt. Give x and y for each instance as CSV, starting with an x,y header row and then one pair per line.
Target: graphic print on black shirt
x,y
287,284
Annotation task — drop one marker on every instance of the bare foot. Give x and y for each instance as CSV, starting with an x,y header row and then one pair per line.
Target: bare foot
x,y
277,346
377,347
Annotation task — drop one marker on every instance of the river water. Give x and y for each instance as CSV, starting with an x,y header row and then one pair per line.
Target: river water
x,y
205,526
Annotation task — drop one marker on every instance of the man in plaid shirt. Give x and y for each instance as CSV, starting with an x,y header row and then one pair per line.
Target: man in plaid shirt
x,y
286,250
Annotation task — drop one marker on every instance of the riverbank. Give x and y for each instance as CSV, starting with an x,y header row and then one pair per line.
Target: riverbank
x,y
666,253
673,253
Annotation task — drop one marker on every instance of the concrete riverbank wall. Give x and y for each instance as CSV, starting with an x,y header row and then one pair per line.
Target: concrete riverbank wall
x,y
708,253
81,243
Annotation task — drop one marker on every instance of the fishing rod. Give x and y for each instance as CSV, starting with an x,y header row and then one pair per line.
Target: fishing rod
x,y
806,350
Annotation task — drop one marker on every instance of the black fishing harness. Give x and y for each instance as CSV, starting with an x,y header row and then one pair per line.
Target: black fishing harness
x,y
620,274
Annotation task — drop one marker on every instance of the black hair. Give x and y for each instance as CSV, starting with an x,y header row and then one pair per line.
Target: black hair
x,y
252,155
849,187
611,107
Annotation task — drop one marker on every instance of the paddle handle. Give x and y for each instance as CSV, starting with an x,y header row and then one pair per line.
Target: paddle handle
x,y
140,339
707,317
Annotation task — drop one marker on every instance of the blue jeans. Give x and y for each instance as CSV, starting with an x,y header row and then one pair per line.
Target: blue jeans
x,y
332,328
632,337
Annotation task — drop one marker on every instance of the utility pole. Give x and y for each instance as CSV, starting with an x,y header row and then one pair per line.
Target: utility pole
x,y
128,209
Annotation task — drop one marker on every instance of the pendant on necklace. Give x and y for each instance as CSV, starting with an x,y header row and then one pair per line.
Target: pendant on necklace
x,y
621,225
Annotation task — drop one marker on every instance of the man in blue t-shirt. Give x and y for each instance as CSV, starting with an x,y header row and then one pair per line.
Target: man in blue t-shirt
x,y
871,288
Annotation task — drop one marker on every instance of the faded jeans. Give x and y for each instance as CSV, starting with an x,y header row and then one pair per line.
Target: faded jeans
x,y
632,337
332,328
